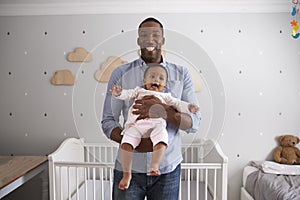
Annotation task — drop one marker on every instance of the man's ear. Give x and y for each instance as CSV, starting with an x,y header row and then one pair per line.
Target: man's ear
x,y
138,41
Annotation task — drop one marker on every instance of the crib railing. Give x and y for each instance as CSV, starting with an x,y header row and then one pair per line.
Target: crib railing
x,y
90,176
199,176
72,177
204,167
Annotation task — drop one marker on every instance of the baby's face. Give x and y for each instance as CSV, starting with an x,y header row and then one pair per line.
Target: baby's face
x,y
155,79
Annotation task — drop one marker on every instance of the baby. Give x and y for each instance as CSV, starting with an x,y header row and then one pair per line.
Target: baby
x,y
155,81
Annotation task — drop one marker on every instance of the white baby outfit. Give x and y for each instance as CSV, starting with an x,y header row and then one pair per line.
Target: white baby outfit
x,y
135,130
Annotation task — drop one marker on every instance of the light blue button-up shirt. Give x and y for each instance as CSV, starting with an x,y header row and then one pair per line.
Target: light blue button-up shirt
x,y
115,111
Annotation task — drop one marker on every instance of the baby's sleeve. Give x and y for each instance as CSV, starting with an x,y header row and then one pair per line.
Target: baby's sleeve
x,y
180,105
128,94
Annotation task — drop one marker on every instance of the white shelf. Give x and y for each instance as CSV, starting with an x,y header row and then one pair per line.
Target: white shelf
x,y
66,7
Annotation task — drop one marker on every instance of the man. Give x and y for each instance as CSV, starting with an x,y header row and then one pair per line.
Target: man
x,y
180,85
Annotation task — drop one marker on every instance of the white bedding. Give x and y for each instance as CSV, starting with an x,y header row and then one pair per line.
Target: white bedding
x,y
247,170
271,167
276,168
269,180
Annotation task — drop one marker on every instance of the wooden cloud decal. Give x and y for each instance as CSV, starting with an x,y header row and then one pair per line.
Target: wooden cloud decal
x,y
112,62
80,54
63,77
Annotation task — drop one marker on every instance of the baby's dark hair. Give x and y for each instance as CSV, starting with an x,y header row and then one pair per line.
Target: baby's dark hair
x,y
150,65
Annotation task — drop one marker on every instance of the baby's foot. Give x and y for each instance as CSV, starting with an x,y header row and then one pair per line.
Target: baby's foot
x,y
124,183
154,172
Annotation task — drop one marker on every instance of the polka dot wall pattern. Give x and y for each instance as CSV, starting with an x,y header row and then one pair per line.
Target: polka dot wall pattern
x,y
255,55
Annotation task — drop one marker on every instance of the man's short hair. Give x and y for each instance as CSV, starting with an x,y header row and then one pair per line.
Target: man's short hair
x,y
152,19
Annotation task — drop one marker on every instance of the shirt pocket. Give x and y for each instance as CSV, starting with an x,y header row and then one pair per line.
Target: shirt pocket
x,y
175,88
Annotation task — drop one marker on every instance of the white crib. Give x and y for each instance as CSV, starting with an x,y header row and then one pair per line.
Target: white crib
x,y
82,171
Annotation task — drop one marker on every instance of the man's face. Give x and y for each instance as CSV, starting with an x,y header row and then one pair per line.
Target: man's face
x,y
150,41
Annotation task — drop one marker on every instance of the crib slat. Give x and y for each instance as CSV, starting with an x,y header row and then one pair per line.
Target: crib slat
x,y
110,182
185,159
192,159
77,190
88,160
61,189
189,185
180,189
215,184
94,184
197,184
101,183
68,177
93,154
85,185
105,155
206,181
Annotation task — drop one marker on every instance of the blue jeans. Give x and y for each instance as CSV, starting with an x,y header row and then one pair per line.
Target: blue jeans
x,y
163,187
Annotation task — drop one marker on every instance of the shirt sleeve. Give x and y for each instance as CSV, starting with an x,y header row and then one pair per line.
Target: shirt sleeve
x,y
112,107
188,95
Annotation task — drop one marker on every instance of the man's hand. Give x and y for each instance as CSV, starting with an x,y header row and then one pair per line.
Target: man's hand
x,y
149,107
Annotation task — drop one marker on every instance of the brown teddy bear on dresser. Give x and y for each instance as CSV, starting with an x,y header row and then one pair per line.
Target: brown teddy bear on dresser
x,y
287,152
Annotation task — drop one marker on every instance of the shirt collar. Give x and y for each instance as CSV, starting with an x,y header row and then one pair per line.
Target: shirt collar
x,y
142,63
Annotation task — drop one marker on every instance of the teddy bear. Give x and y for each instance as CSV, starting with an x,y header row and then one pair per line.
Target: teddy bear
x,y
287,152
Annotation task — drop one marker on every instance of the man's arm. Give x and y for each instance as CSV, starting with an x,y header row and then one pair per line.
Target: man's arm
x,y
182,121
116,135
144,146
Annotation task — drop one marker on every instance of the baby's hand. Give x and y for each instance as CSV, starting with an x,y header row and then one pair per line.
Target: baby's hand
x,y
116,90
193,108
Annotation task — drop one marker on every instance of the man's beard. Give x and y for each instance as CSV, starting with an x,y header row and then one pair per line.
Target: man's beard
x,y
151,58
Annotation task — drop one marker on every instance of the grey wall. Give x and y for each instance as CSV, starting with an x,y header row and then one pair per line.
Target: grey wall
x,y
249,67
